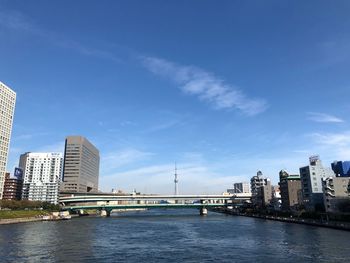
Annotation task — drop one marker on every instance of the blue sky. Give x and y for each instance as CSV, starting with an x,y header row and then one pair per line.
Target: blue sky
x,y
224,88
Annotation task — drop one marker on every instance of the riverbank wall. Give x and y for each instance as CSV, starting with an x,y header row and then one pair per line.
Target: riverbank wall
x,y
305,221
19,220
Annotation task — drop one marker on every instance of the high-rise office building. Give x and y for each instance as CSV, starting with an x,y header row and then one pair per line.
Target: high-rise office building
x,y
42,174
81,166
311,183
7,108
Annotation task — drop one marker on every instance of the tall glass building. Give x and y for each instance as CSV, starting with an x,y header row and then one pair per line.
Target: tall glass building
x,y
7,108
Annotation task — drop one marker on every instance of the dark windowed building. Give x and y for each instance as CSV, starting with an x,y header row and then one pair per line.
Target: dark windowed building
x,y
12,188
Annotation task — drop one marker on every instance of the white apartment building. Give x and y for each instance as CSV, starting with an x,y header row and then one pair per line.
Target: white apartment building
x,y
311,183
42,173
7,108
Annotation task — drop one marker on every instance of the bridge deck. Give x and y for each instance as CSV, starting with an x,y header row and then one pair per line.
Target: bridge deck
x,y
139,206
98,198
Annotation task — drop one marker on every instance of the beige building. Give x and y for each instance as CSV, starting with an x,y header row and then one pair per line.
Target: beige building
x,y
336,194
290,187
7,108
81,166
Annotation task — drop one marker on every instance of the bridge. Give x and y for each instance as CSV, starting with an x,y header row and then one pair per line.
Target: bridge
x,y
105,203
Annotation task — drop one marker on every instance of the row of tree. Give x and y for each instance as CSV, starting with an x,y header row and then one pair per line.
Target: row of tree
x,y
26,204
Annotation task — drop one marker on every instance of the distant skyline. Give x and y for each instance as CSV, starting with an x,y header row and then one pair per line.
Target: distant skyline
x,y
223,88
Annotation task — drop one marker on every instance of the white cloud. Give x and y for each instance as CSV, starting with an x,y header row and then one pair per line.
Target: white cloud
x,y
323,117
54,147
193,179
332,139
198,176
114,160
332,146
206,86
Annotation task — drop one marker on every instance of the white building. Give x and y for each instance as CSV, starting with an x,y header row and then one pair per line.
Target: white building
x,y
261,190
311,183
7,108
42,173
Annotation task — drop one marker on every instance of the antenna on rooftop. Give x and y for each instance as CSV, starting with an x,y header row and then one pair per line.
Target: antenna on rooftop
x,y
176,181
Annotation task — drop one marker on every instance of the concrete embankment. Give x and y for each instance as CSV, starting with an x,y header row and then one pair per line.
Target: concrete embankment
x,y
304,221
19,220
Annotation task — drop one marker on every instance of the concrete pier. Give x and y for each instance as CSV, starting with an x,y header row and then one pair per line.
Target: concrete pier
x,y
203,211
105,213
81,212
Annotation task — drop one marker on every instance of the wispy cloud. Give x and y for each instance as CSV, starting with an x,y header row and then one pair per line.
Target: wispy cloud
x,y
323,117
16,21
54,147
332,145
193,178
164,125
29,136
127,123
205,85
334,51
199,175
334,139
301,151
114,160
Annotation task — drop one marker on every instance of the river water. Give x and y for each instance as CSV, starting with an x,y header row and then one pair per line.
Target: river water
x,y
171,236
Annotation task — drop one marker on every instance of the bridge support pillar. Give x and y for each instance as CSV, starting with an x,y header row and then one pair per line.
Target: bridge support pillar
x,y
203,211
105,212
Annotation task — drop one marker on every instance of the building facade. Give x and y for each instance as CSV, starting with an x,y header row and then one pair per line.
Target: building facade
x,y
341,168
261,190
7,109
239,188
81,166
243,187
311,183
336,192
42,173
290,187
276,198
12,188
